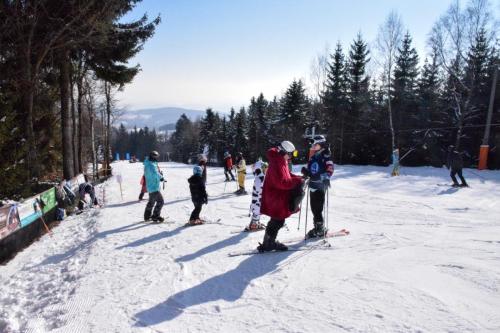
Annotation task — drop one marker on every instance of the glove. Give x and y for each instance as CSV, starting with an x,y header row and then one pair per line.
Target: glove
x,y
162,179
325,178
305,172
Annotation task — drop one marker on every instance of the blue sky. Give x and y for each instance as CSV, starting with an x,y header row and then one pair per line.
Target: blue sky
x,y
221,53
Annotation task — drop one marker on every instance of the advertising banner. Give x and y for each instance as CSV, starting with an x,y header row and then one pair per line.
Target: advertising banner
x,y
29,211
48,199
9,220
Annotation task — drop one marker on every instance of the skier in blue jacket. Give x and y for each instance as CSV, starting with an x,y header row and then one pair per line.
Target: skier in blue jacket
x,y
153,178
319,170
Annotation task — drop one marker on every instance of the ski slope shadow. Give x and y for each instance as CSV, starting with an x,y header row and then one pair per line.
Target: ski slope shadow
x,y
57,258
451,190
153,238
214,247
228,287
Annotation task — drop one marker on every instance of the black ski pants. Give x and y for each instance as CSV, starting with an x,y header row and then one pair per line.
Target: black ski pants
x,y
459,173
156,201
273,227
317,204
228,172
196,211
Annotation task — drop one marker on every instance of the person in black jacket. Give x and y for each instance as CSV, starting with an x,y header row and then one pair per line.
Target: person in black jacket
x,y
455,162
198,195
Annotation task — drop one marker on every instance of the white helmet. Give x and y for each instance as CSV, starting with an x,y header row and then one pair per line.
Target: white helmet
x,y
287,146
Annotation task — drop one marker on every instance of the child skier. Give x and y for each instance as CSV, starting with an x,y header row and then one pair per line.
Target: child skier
x,y
319,170
228,166
198,195
153,178
202,162
241,169
259,173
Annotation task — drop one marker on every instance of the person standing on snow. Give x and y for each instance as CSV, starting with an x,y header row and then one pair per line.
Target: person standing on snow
x,y
241,169
228,166
455,162
202,162
153,178
198,195
319,170
259,173
276,194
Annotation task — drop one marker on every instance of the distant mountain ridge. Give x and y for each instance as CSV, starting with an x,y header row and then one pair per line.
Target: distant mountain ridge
x,y
156,117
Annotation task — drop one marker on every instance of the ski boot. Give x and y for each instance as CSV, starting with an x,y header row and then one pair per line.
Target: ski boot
x,y
464,185
318,231
195,222
455,185
255,226
157,219
269,244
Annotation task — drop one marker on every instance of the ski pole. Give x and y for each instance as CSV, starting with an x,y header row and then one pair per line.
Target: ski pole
x,y
306,187
307,207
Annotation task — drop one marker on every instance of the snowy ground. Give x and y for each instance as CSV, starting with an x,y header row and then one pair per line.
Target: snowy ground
x,y
420,257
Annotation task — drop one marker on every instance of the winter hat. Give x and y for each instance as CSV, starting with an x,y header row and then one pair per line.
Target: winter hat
x,y
226,154
197,170
286,146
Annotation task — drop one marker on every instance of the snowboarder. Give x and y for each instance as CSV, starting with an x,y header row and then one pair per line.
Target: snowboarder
x,y
241,169
228,166
153,178
202,162
259,173
198,195
455,162
276,194
143,188
319,170
83,189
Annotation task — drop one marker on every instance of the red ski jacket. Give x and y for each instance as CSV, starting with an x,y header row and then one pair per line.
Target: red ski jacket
x,y
277,187
229,163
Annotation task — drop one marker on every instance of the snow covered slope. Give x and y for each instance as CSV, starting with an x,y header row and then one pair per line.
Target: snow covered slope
x,y
420,257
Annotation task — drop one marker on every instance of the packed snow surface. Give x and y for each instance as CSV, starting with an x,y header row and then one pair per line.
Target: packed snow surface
x,y
421,257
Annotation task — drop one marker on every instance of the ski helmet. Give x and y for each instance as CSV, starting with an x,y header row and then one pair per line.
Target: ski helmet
x,y
287,146
197,170
153,155
319,140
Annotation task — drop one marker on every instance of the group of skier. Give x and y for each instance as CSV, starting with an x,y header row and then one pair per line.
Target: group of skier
x,y
276,193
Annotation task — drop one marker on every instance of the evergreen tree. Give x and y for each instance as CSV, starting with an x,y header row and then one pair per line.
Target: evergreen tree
x,y
404,100
241,135
336,101
358,99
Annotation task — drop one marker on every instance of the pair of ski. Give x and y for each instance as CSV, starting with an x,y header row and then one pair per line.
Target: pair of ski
x,y
299,244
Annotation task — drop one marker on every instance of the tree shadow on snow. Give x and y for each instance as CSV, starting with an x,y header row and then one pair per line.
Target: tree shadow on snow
x,y
214,247
228,286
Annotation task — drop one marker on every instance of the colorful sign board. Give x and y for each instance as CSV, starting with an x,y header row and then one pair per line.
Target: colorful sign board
x,y
9,220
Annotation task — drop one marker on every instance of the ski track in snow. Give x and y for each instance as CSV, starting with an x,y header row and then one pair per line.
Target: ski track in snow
x,y
420,258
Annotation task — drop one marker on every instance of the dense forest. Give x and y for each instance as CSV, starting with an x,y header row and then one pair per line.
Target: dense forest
x,y
418,107
60,64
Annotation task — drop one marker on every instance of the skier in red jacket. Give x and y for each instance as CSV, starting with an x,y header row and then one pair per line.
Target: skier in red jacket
x,y
277,193
228,166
